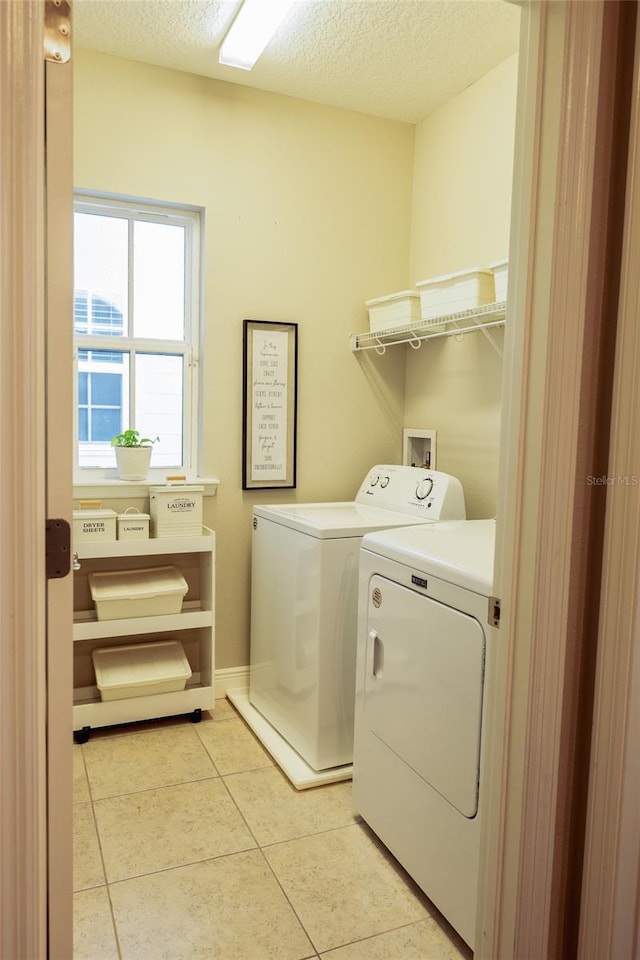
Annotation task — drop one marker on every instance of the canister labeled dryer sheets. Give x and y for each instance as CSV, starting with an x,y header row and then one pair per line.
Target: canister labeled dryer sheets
x,y
96,525
176,510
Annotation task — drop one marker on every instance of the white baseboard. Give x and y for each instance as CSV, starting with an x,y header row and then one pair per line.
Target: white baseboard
x,y
229,678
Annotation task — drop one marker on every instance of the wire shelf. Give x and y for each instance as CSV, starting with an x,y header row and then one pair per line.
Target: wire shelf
x,y
465,321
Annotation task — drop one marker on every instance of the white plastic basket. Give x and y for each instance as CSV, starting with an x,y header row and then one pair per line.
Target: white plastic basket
x,y
455,292
141,669
153,591
393,310
500,270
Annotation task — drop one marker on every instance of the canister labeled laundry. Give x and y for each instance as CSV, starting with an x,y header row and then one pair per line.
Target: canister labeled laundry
x,y
176,510
133,525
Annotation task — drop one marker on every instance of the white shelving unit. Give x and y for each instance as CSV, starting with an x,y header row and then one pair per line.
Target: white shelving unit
x,y
453,324
195,557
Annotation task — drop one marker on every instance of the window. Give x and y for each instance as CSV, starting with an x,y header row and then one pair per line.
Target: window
x,y
136,322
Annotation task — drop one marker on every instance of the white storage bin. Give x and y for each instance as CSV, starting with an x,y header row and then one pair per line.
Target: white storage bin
x,y
156,591
133,525
94,525
455,292
176,510
393,310
500,270
141,669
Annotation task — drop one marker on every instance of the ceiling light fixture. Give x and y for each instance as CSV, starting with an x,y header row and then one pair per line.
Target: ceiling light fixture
x,y
252,29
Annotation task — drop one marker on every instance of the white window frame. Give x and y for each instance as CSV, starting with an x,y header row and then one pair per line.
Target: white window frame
x,y
189,348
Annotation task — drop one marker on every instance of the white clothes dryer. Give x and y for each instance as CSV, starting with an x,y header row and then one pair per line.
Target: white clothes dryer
x,y
304,588
423,669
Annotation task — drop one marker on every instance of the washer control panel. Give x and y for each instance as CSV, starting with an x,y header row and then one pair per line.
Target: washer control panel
x,y
429,494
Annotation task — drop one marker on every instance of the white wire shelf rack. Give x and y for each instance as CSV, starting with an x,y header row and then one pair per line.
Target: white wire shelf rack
x,y
452,324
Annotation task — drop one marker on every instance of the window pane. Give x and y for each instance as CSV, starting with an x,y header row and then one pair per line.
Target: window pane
x,y
106,390
106,319
109,356
80,312
83,424
158,280
105,423
83,388
101,274
159,404
103,378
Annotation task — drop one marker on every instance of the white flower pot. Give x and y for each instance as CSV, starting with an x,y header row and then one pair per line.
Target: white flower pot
x,y
133,462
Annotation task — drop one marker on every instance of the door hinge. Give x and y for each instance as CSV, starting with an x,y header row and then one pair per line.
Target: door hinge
x,y
57,31
57,548
493,617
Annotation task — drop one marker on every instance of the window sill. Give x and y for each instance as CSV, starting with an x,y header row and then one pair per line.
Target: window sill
x,y
125,489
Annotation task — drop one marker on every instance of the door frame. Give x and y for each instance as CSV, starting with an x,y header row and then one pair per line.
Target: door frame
x,y
610,919
23,753
563,295
35,482
59,497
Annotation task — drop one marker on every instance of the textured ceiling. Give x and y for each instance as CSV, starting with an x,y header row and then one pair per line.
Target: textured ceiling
x,y
398,59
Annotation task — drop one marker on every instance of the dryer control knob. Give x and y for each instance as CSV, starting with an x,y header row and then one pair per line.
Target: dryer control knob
x,y
424,488
384,482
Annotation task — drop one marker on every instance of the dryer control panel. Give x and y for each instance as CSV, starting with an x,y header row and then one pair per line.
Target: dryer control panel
x,y
429,494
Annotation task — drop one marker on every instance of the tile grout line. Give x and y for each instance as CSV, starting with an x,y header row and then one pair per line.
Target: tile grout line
x,y
102,860
272,764
266,862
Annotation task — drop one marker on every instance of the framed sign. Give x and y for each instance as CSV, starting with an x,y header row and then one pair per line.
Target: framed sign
x,y
270,382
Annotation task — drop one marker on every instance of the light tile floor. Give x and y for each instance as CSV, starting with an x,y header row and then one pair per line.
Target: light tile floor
x,y
189,843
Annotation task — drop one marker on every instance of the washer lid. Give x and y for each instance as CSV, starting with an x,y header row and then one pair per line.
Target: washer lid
x,y
458,551
333,520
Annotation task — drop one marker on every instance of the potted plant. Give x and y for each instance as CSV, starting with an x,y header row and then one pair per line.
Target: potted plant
x,y
133,454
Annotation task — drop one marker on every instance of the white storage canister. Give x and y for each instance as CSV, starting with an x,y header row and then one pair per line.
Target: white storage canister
x,y
176,510
97,525
133,525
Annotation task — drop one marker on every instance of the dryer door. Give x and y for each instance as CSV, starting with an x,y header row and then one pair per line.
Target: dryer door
x,y
424,687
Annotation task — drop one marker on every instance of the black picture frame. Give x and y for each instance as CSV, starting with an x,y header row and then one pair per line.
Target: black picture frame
x,y
270,405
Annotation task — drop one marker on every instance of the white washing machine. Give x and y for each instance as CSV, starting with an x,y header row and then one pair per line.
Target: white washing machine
x,y
304,587
423,666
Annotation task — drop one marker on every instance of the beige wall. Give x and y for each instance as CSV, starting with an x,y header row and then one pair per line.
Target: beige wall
x,y
461,208
308,213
